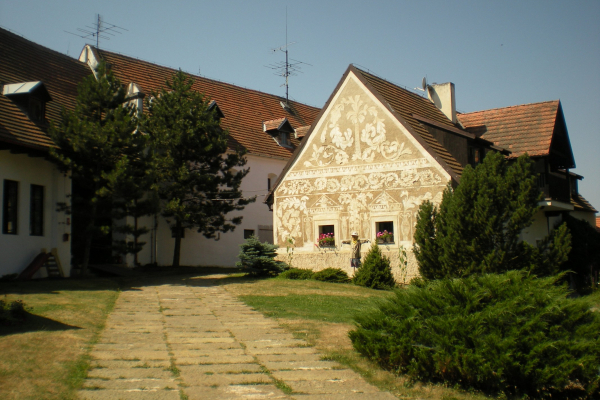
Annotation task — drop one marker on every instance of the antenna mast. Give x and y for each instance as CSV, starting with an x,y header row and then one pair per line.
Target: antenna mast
x,y
286,69
99,29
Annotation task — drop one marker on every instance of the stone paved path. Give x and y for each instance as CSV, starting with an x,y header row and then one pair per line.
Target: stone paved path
x,y
189,342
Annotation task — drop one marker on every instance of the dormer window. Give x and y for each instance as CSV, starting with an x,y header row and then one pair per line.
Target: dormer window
x,y
37,109
31,97
135,98
213,106
280,130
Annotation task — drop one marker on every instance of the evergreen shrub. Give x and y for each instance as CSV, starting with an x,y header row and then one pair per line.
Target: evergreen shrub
x,y
334,275
477,227
259,258
375,272
296,273
11,312
512,333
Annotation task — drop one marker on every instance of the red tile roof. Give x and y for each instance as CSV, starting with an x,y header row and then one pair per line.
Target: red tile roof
x,y
520,129
598,223
244,109
25,61
302,131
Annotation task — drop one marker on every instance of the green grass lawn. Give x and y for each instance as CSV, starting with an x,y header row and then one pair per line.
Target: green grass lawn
x,y
46,356
316,307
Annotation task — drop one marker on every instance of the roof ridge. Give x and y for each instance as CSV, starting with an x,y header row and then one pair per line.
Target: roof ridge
x,y
233,85
402,87
513,106
39,46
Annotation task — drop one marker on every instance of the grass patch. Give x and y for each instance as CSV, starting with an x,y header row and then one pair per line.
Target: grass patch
x,y
46,357
318,307
284,387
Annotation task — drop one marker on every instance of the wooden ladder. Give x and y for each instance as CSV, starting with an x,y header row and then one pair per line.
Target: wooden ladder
x,y
53,265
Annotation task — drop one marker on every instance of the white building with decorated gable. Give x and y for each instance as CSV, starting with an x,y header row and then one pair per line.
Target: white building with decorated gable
x,y
374,154
362,167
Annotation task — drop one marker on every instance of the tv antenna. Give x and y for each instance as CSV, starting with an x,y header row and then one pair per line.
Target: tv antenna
x,y
99,29
289,67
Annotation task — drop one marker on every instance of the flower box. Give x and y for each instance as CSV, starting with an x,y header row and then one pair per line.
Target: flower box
x,y
385,237
326,240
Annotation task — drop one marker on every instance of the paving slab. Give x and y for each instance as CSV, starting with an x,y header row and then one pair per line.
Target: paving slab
x,y
299,365
316,375
130,364
129,395
221,368
160,340
333,387
203,379
131,383
129,373
346,396
232,392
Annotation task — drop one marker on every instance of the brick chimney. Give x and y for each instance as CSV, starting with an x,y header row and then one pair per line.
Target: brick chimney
x,y
442,95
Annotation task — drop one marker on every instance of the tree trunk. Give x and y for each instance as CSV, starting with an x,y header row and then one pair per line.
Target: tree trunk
x,y
177,251
135,234
89,235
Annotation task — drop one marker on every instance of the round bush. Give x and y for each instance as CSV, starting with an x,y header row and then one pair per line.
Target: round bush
x,y
335,275
259,258
375,272
296,273
511,333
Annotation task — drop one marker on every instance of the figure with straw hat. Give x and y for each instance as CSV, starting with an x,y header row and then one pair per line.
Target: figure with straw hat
x,y
355,256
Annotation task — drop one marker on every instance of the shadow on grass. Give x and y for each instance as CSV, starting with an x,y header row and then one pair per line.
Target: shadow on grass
x,y
143,276
34,323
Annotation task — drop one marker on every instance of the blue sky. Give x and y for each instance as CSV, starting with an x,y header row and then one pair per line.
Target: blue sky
x,y
497,53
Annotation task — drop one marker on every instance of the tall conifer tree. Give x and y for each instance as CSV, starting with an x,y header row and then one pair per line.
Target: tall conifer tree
x,y
478,225
96,143
196,180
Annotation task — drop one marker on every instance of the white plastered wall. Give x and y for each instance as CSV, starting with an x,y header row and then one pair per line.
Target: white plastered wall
x,y
17,251
196,250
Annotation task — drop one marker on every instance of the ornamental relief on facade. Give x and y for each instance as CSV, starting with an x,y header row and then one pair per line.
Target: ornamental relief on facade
x,y
296,216
358,168
354,132
373,181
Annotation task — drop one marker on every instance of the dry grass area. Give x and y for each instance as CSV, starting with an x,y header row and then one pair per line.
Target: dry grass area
x,y
46,356
321,313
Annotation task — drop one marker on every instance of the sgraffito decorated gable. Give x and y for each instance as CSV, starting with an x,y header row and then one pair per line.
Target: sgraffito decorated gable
x,y
359,169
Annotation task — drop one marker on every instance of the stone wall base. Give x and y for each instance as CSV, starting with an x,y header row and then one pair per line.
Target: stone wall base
x,y
336,258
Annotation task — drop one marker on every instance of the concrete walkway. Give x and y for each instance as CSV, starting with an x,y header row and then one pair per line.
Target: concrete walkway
x,y
188,342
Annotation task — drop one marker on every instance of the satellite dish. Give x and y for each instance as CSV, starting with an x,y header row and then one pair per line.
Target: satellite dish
x,y
424,84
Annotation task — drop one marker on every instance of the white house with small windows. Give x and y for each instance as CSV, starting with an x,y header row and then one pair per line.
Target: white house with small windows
x,y
265,125
35,83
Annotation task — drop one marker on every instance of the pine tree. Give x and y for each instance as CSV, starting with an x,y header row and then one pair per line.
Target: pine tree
x,y
196,181
95,144
477,227
133,199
